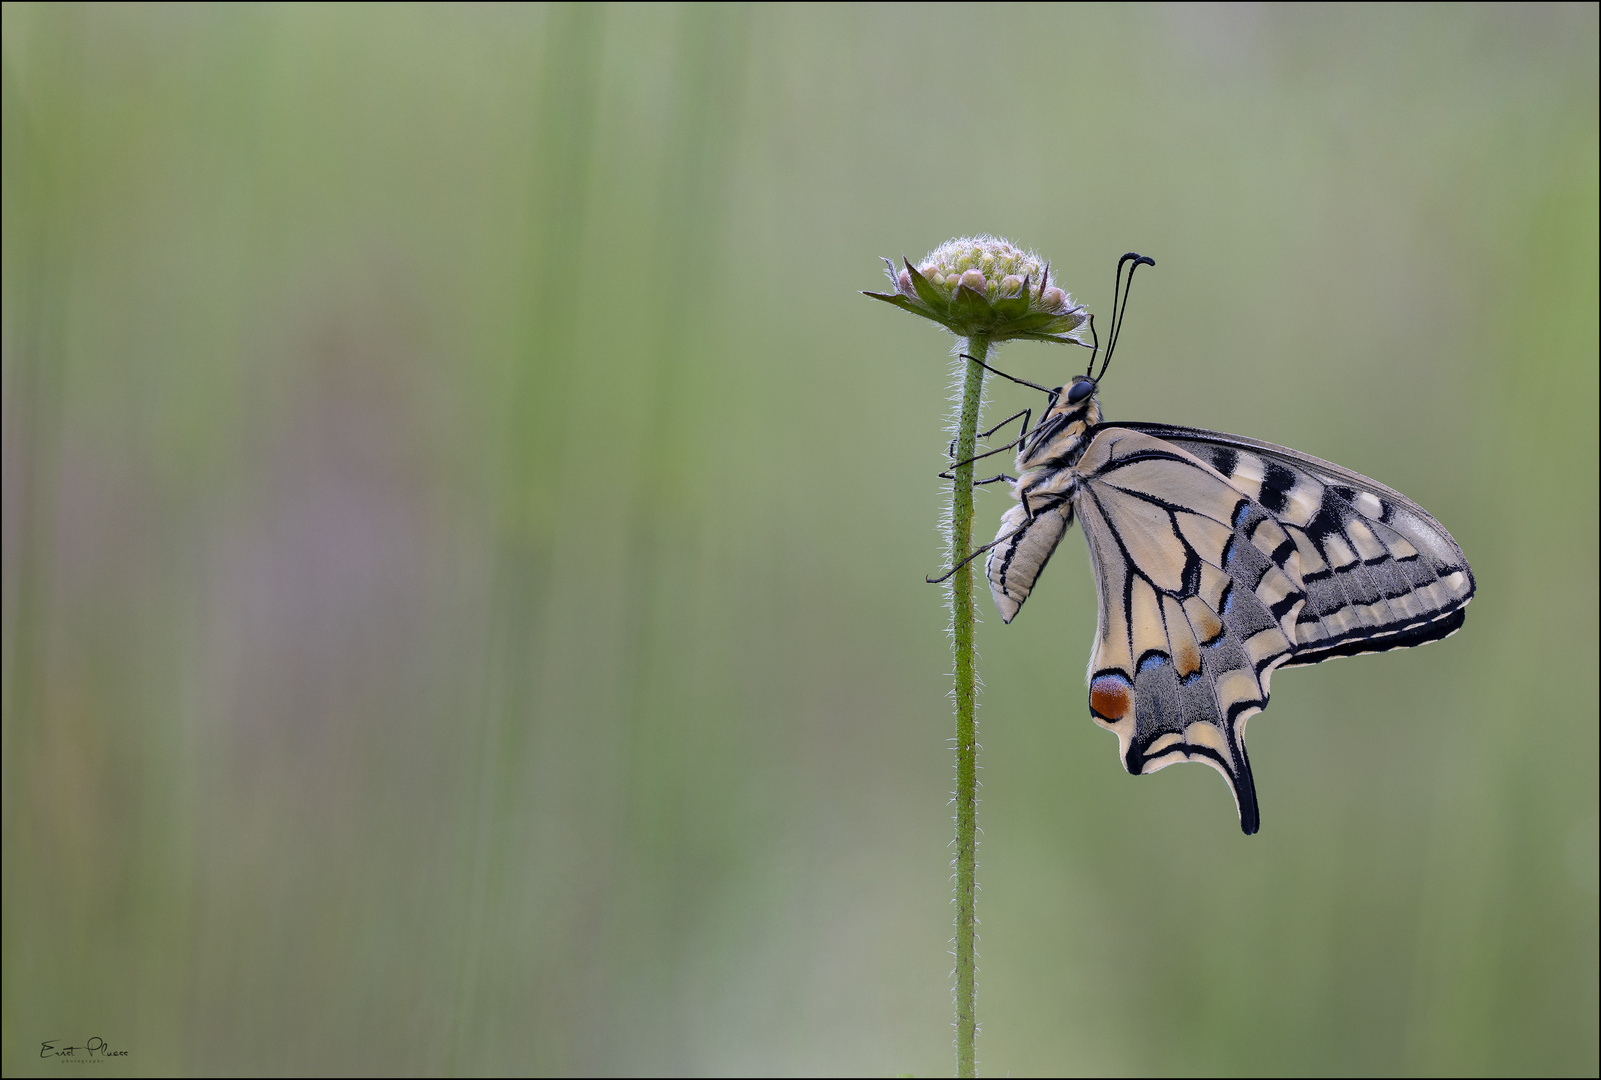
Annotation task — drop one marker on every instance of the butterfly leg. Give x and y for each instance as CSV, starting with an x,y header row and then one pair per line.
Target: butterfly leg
x,y
949,475
997,477
998,540
1014,378
1026,414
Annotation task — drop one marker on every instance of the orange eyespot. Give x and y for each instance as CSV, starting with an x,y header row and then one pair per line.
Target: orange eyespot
x,y
1109,697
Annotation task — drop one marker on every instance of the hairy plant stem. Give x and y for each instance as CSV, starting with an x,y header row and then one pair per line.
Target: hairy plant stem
x,y
962,618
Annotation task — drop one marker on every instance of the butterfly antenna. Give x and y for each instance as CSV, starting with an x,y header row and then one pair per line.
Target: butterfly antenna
x,y
1111,338
1135,260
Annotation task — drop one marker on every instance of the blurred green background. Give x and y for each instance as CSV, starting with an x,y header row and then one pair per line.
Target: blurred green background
x,y
464,537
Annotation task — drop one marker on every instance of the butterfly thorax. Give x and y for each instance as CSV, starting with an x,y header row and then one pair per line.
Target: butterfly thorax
x,y
1045,462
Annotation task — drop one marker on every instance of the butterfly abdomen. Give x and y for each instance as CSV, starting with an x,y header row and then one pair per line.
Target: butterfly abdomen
x,y
1045,489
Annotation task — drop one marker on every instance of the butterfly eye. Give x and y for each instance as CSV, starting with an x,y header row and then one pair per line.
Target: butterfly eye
x,y
1081,389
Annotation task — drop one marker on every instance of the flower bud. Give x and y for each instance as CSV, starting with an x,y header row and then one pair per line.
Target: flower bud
x,y
985,286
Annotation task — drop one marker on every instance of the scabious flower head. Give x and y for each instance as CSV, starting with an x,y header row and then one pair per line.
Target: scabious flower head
x,y
981,285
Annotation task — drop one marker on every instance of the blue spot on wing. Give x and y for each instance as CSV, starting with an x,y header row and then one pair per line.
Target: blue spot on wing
x,y
1151,659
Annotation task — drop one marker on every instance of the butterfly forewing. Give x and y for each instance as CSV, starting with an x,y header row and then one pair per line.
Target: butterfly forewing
x,y
1378,571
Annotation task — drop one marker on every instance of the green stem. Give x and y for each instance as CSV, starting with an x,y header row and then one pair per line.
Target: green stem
x,y
962,618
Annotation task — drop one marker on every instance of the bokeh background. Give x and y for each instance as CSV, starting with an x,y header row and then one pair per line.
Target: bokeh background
x,y
464,537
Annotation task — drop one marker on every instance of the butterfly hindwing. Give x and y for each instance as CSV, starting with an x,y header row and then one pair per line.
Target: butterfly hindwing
x,y
1196,606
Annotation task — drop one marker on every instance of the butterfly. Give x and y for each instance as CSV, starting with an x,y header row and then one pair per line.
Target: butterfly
x,y
1218,560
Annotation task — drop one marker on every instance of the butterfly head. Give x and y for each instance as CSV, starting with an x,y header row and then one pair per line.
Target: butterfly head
x,y
1079,389
1062,431
1076,401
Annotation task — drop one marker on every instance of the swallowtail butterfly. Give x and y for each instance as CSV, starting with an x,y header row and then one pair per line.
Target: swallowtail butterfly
x,y
1218,560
